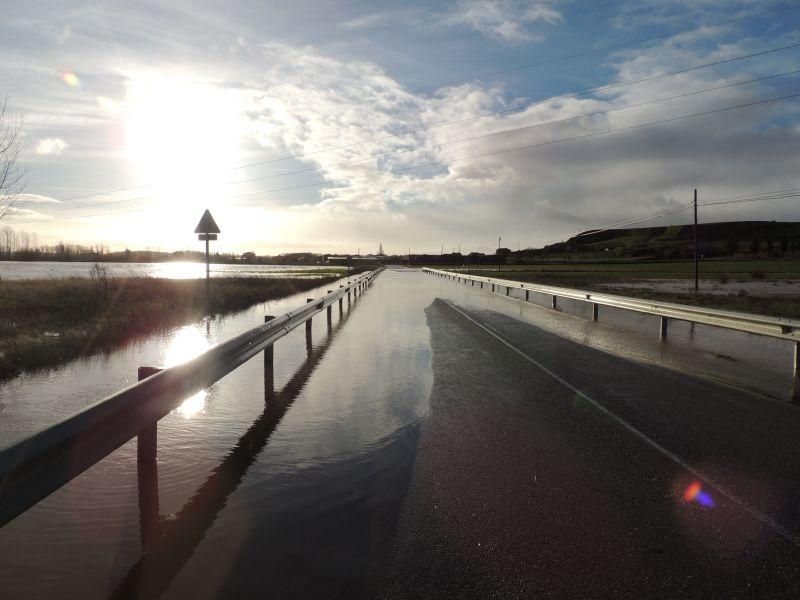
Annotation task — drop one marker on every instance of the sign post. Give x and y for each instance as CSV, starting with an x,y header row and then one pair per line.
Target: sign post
x,y
207,230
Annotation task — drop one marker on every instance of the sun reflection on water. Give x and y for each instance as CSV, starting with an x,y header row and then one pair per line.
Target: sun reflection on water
x,y
179,270
187,343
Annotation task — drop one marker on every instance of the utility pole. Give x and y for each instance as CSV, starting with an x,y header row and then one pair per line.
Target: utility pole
x,y
499,240
696,253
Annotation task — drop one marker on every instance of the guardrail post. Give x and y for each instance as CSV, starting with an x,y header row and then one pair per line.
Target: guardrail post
x,y
481,285
508,289
554,303
269,368
308,328
147,475
595,311
330,309
492,287
662,335
796,374
527,295
473,283
147,440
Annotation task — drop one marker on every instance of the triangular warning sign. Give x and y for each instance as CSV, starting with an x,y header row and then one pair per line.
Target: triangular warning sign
x,y
207,224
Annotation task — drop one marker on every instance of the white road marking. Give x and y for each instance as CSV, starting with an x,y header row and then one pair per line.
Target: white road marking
x,y
755,513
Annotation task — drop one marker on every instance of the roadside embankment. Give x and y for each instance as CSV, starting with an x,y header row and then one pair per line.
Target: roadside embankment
x,y
45,322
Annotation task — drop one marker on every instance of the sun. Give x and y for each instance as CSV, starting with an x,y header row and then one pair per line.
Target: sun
x,y
183,138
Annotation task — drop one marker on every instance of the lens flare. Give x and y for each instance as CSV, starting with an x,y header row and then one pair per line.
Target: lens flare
x,y
70,79
695,493
692,491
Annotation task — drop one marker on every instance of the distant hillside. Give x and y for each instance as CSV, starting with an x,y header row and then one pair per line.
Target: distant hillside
x,y
762,239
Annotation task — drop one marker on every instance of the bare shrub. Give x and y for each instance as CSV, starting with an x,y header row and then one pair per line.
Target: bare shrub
x,y
101,277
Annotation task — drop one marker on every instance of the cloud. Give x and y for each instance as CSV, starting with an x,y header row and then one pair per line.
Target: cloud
x,y
311,102
385,19
505,20
17,212
412,168
36,198
51,145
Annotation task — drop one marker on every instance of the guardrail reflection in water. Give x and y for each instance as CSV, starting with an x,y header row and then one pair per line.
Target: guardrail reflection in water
x,y
775,327
34,467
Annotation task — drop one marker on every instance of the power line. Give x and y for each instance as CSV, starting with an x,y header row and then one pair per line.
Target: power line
x,y
637,220
605,132
578,94
551,142
772,195
752,195
472,138
521,128
753,199
522,107
604,49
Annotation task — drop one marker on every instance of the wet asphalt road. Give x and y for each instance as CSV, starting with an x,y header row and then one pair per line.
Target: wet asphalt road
x,y
549,469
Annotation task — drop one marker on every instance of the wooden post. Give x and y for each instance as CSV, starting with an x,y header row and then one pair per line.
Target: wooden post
x,y
595,311
662,331
508,290
696,249
527,295
554,303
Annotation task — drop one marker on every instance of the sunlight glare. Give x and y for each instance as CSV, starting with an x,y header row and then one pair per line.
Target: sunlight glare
x,y
187,343
183,136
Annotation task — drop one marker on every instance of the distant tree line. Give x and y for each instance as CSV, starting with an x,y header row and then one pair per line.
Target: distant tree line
x,y
21,245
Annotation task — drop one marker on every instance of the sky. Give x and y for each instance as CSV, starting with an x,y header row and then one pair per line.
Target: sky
x,y
421,126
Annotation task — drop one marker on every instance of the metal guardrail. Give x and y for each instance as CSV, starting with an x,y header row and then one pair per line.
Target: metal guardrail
x,y
776,327
36,466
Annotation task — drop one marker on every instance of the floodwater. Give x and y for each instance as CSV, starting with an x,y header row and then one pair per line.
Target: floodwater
x,y
684,286
293,493
12,269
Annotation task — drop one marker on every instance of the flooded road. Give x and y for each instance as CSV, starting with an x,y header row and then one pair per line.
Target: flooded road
x,y
301,489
